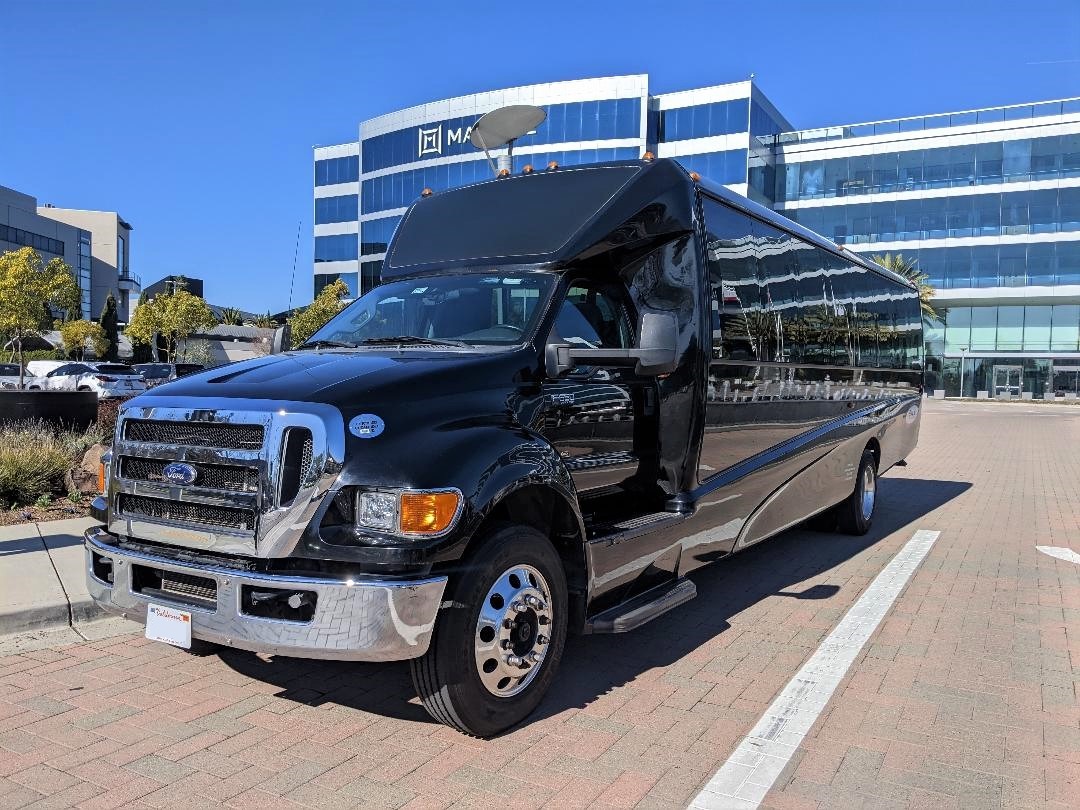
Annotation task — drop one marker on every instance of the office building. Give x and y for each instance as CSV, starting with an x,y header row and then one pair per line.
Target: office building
x,y
21,226
110,251
987,200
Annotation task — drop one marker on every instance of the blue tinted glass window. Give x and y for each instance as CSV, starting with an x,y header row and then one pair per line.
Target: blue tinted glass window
x,y
323,280
337,170
340,247
336,209
375,235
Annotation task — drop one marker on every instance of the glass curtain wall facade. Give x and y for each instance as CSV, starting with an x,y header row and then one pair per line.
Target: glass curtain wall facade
x,y
987,202
363,188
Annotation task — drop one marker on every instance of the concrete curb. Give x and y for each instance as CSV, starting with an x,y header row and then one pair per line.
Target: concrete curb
x,y
42,577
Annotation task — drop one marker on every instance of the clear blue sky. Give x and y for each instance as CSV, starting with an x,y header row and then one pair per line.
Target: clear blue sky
x,y
195,120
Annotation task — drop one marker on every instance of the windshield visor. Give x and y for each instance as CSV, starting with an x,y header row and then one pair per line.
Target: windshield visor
x,y
495,309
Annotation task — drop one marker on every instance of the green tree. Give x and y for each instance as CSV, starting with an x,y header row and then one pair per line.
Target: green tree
x,y
142,352
109,322
25,282
174,317
326,305
230,316
75,335
909,269
266,322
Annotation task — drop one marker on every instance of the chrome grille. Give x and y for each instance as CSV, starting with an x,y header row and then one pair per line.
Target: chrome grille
x,y
211,476
195,434
139,506
306,456
188,585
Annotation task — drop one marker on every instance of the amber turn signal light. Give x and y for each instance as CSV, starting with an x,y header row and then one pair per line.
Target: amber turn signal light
x,y
428,512
101,477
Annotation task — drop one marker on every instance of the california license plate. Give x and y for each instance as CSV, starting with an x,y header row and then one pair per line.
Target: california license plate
x,y
169,625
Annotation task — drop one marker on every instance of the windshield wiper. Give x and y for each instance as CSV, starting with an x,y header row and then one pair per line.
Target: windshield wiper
x,y
414,340
326,344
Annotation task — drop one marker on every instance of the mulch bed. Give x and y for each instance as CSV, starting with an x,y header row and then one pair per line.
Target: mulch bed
x,y
62,509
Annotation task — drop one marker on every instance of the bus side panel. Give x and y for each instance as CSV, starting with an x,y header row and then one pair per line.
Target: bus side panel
x,y
831,478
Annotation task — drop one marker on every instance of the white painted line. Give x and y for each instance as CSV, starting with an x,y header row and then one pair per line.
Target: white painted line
x,y
750,771
1066,554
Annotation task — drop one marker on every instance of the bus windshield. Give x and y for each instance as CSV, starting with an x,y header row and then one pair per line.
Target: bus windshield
x,y
460,309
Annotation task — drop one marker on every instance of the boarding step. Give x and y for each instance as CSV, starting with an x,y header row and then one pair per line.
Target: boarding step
x,y
643,608
633,527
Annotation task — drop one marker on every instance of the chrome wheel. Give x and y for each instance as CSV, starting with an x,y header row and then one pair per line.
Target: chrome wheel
x,y
513,631
869,491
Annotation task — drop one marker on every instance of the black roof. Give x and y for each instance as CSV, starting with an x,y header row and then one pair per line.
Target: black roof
x,y
557,217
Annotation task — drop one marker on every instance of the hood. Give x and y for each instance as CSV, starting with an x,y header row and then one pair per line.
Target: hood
x,y
339,378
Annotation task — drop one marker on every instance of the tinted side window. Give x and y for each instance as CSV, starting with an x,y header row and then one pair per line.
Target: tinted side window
x,y
774,324
593,316
733,281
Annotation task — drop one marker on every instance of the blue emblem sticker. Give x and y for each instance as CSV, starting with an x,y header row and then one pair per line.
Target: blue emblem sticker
x,y
366,426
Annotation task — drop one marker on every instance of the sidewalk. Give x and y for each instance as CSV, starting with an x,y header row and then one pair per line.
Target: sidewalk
x,y
42,576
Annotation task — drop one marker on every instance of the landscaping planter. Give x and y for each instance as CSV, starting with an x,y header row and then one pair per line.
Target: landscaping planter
x,y
70,409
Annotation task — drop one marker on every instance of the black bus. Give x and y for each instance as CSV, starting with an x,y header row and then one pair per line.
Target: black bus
x,y
572,388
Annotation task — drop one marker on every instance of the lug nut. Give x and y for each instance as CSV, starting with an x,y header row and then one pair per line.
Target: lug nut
x,y
543,619
506,645
541,640
508,624
535,602
519,607
515,660
532,657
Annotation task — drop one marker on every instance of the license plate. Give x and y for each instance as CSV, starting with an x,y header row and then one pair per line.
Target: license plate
x,y
169,625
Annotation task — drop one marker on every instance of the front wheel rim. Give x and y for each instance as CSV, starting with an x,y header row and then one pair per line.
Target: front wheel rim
x,y
513,631
869,491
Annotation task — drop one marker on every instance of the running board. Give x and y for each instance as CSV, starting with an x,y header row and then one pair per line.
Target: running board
x,y
643,608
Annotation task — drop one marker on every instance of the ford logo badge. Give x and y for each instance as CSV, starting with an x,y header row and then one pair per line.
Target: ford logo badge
x,y
179,473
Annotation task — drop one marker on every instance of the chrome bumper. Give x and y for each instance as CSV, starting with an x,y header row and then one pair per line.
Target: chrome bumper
x,y
370,620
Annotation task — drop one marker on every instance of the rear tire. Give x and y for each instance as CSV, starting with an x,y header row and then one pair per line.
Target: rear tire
x,y
856,514
495,650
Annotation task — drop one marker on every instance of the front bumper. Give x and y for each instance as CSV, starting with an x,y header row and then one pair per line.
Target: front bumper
x,y
367,620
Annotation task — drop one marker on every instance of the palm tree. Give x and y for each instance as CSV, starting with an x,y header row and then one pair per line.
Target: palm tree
x,y
230,316
909,269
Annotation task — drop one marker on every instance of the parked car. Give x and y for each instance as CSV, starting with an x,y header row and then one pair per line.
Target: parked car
x,y
9,375
106,379
158,373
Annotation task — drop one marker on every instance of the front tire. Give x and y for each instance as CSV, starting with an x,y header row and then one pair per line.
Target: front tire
x,y
496,648
855,514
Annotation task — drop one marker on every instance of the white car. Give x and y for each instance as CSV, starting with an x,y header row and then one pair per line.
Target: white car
x,y
9,376
106,379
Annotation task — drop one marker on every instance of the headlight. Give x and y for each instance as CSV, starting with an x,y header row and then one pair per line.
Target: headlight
x,y
426,512
377,510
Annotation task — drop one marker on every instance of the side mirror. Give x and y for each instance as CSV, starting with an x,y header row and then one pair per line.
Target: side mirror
x,y
656,351
282,341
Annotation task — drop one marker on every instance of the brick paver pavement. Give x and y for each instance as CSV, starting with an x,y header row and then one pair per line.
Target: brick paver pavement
x,y
965,696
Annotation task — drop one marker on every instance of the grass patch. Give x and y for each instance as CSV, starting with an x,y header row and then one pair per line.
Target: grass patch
x,y
35,459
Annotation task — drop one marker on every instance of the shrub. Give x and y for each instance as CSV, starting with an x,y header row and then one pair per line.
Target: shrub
x,y
107,410
35,459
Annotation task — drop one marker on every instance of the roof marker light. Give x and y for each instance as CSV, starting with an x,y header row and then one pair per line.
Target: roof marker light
x,y
552,166
528,169
695,177
648,156
504,172
427,192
